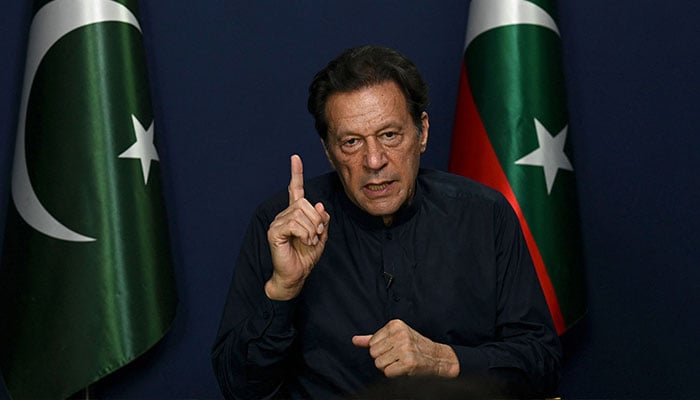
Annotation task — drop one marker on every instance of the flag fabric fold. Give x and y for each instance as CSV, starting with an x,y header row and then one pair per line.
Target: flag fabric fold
x,y
86,279
511,133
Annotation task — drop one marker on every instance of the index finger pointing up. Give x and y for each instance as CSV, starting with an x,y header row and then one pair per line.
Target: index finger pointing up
x,y
296,183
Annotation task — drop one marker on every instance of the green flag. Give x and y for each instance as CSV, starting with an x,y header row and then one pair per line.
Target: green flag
x,y
511,133
86,282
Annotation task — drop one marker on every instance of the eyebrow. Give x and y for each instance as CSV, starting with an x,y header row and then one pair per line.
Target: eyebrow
x,y
389,125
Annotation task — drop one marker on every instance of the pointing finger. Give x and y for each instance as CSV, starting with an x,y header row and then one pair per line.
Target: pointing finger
x,y
296,183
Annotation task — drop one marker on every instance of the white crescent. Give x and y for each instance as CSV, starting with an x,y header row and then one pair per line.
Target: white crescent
x,y
485,15
50,24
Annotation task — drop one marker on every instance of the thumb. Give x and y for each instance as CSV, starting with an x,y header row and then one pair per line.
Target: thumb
x,y
361,340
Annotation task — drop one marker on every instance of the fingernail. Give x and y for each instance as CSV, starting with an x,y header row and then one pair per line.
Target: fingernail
x,y
315,240
319,230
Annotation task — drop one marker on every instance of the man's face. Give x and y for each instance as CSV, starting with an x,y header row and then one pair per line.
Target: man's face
x,y
375,147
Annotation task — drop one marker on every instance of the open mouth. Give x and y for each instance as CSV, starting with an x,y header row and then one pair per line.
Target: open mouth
x,y
377,187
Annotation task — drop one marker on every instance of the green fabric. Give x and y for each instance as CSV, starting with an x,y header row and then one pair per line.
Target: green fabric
x,y
74,310
516,77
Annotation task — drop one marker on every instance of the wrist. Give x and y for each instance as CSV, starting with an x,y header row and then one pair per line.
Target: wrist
x,y
280,292
448,363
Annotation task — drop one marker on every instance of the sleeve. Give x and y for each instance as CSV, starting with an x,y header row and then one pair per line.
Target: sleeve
x,y
256,335
525,357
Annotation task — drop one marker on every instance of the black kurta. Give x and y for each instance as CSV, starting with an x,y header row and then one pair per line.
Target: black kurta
x,y
454,266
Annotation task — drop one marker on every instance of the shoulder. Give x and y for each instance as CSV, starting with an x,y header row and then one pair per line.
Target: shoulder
x,y
458,200
446,187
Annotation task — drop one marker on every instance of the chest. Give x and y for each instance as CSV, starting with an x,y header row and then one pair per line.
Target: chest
x,y
443,284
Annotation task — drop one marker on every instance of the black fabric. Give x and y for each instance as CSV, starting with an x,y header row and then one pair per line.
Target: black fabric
x,y
454,266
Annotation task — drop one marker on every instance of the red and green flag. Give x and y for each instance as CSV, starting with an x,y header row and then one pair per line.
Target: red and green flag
x,y
512,133
86,281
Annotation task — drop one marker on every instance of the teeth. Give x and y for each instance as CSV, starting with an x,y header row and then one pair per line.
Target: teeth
x,y
377,187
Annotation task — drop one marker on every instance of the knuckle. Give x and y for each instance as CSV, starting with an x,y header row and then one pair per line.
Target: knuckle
x,y
395,324
373,352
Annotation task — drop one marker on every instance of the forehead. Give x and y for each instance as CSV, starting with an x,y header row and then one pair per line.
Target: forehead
x,y
367,110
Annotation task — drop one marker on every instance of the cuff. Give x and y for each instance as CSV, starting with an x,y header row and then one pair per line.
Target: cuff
x,y
472,361
279,315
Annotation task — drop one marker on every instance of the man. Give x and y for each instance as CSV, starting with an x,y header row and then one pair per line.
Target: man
x,y
381,269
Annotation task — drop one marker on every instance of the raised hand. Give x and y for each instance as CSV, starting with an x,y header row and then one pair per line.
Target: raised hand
x,y
297,238
399,350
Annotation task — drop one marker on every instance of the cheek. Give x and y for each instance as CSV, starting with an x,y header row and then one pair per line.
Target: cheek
x,y
348,167
406,159
349,162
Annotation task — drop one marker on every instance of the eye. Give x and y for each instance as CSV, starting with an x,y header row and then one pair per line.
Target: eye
x,y
390,138
350,145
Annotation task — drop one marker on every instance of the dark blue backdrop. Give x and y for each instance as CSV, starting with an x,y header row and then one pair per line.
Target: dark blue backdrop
x,y
230,78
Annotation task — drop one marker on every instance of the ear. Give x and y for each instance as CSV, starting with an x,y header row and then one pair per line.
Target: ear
x,y
425,127
328,154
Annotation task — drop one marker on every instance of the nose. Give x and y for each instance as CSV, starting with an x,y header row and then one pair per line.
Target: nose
x,y
375,156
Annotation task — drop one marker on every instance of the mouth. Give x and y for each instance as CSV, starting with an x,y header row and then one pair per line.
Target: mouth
x,y
378,188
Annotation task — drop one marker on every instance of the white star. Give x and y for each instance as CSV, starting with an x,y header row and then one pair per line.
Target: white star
x,y
550,155
143,149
